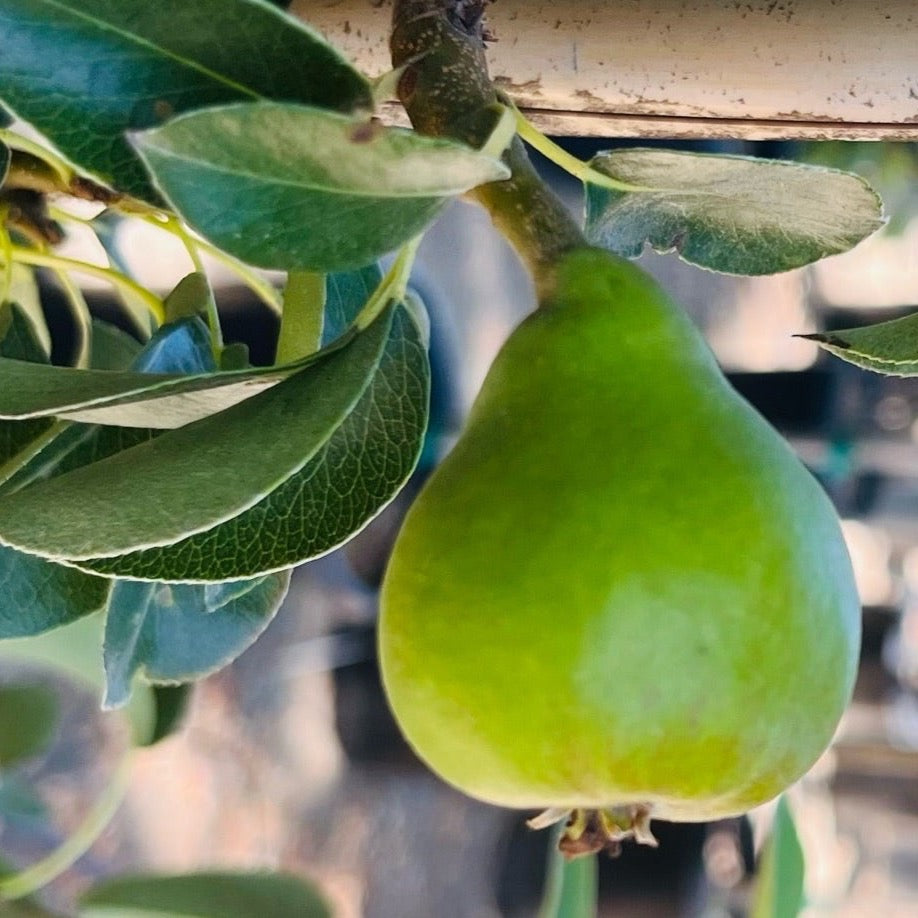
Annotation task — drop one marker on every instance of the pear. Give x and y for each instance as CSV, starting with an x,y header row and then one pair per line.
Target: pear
x,y
621,591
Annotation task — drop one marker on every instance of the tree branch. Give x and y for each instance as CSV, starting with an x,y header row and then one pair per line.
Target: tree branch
x,y
447,92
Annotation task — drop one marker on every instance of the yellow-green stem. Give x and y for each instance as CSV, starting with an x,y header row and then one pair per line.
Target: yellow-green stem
x,y
59,263
100,815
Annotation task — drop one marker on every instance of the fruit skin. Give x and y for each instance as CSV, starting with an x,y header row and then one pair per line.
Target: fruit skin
x,y
621,586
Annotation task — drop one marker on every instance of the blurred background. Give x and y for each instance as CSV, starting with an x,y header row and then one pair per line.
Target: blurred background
x,y
289,757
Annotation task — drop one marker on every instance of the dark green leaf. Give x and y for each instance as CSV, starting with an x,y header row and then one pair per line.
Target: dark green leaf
x,y
171,706
205,895
169,634
193,478
4,162
19,341
86,71
886,347
346,293
285,186
345,483
130,399
38,595
28,718
734,214
779,888
112,349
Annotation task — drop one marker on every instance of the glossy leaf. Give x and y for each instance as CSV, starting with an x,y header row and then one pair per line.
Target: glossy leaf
x,y
734,214
205,895
167,633
191,479
886,347
779,887
85,72
28,717
296,188
361,465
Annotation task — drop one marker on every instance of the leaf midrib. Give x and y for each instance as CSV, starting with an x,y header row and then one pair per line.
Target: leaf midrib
x,y
267,178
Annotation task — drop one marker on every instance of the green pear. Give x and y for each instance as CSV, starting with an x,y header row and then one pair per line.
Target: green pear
x,y
621,590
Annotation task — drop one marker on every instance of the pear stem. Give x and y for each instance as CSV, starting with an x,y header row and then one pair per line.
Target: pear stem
x,y
447,92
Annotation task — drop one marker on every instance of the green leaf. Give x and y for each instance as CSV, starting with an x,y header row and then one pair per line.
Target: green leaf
x,y
28,718
39,595
193,478
84,72
205,895
365,459
4,162
112,349
171,706
169,634
303,317
296,188
346,293
779,889
886,347
734,214
129,398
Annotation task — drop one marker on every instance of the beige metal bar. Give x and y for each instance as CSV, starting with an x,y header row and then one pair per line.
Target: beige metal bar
x,y
762,69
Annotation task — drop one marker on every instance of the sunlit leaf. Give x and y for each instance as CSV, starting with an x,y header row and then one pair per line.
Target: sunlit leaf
x,y
85,72
734,214
296,188
889,347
